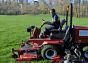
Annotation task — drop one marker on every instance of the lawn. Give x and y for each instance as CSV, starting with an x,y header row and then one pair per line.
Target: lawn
x,y
13,30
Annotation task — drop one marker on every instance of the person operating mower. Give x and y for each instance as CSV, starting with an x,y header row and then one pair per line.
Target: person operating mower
x,y
52,25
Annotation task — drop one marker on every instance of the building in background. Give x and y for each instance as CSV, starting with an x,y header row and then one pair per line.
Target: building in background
x,y
14,0
23,1
2,1
19,1
35,3
79,1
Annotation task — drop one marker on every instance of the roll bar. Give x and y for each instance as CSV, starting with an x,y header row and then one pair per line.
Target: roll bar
x,y
69,8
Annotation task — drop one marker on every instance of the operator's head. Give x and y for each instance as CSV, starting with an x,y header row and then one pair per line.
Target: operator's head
x,y
52,12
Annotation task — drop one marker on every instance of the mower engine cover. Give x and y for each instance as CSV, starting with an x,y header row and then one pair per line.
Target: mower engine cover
x,y
29,29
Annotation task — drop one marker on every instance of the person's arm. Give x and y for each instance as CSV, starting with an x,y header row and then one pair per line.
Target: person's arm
x,y
49,23
55,19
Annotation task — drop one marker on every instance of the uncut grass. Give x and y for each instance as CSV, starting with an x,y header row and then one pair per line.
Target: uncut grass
x,y
13,30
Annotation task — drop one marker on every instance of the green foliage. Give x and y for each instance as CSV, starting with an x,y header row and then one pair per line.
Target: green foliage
x,y
13,30
9,7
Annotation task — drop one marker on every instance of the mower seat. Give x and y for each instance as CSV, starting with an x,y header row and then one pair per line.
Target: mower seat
x,y
62,23
59,34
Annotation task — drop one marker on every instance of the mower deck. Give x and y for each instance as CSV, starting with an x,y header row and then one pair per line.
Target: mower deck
x,y
29,55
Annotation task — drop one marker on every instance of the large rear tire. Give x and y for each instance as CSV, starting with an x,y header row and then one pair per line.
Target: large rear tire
x,y
49,51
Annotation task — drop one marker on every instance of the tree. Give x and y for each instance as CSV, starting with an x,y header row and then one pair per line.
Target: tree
x,y
44,6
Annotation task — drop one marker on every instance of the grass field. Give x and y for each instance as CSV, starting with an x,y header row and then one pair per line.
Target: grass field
x,y
13,30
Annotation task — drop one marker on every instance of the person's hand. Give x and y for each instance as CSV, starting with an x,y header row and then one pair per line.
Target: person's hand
x,y
44,22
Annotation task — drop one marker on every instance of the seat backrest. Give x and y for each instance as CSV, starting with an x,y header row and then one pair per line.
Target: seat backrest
x,y
62,23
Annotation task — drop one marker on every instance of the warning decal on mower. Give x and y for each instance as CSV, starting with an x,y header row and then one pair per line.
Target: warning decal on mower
x,y
83,32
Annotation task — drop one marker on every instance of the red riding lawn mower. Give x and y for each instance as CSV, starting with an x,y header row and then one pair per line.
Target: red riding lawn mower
x,y
68,45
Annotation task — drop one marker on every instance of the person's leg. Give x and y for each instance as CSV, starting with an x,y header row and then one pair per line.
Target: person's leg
x,y
46,31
